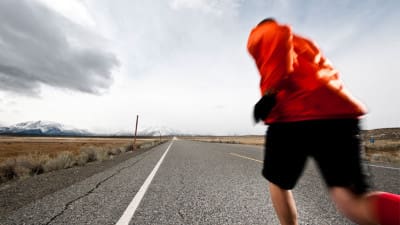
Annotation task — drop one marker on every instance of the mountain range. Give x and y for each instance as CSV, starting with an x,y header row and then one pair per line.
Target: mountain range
x,y
41,127
48,128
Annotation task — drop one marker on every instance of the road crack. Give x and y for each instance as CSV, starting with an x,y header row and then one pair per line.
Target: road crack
x,y
91,191
181,204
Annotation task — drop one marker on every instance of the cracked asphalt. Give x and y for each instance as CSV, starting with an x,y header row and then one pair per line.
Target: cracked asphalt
x,y
97,199
197,183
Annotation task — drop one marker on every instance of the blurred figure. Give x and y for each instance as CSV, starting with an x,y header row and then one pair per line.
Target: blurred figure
x,y
311,114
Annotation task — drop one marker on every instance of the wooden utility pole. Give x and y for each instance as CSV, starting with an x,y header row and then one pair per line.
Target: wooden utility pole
x,y
134,139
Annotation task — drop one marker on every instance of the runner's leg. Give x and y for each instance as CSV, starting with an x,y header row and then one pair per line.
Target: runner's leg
x,y
284,205
356,207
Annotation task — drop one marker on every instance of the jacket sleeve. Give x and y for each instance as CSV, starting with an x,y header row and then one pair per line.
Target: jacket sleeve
x,y
271,46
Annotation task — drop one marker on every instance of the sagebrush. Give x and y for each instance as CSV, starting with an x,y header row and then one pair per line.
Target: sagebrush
x,y
37,163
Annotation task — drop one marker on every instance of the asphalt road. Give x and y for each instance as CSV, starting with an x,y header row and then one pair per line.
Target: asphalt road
x,y
196,183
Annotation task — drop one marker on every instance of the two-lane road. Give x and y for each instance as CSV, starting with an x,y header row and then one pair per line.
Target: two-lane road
x,y
193,183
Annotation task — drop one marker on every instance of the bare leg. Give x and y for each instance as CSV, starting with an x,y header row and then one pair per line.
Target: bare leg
x,y
358,208
284,204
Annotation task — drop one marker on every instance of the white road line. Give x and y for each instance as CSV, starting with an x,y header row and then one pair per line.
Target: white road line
x,y
130,210
385,167
245,157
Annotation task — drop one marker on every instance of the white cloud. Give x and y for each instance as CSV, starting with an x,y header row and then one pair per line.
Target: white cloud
x,y
216,7
74,10
40,47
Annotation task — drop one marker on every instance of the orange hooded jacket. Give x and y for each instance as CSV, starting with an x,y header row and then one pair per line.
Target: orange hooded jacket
x,y
306,84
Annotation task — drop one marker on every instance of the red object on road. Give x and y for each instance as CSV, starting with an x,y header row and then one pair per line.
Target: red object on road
x,y
387,208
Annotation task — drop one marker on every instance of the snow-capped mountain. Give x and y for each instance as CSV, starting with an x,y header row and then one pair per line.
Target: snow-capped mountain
x,y
48,128
156,131
152,131
42,128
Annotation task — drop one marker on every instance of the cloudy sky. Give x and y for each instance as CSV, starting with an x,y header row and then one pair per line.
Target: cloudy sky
x,y
182,64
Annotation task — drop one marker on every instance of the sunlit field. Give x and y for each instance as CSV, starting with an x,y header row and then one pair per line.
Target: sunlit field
x,y
246,140
11,147
383,151
26,156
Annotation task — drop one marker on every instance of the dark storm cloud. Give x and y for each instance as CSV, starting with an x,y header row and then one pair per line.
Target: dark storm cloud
x,y
39,46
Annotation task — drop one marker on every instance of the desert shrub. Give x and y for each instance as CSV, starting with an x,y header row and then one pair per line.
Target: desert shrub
x,y
379,156
101,154
22,166
88,153
82,158
63,160
388,147
95,153
126,148
383,151
22,172
114,151
31,164
7,170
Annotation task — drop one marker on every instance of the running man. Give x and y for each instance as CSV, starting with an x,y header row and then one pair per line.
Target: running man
x,y
311,114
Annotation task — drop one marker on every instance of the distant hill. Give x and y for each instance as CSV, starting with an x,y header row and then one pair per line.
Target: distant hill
x,y
383,133
44,128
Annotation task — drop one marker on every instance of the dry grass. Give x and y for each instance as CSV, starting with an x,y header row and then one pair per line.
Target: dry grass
x,y
246,140
383,151
26,156
12,147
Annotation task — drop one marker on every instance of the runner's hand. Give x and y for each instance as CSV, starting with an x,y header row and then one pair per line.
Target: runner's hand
x,y
263,107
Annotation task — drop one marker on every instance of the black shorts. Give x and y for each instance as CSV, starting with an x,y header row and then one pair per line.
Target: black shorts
x,y
334,145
